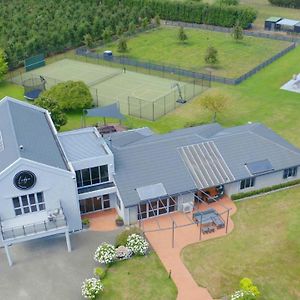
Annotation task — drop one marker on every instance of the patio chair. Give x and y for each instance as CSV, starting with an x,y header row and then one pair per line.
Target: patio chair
x,y
218,222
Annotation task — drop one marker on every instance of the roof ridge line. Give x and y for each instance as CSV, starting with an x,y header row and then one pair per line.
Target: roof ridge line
x,y
284,147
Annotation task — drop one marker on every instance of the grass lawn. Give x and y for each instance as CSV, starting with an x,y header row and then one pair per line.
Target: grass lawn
x,y
256,99
266,10
264,246
140,278
235,58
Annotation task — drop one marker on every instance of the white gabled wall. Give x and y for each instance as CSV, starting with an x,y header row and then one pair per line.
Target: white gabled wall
x,y
57,185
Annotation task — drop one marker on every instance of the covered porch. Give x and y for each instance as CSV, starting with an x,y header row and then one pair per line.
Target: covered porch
x,y
33,226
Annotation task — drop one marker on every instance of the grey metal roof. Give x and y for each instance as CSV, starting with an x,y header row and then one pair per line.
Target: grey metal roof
x,y
152,191
206,165
216,155
151,163
26,125
82,144
288,22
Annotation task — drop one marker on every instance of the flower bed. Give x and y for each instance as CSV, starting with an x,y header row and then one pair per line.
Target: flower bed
x,y
137,244
105,254
91,288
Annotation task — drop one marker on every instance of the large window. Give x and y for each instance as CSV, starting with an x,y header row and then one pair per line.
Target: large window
x,y
92,176
157,207
94,204
246,183
290,172
29,203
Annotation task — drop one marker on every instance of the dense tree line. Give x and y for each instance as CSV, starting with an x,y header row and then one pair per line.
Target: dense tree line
x,y
286,3
194,11
50,26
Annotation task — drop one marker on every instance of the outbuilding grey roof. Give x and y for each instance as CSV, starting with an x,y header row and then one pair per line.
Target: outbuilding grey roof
x,y
27,132
288,22
82,144
217,155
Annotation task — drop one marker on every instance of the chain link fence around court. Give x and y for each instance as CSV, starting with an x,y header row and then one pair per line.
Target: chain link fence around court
x,y
143,109
133,106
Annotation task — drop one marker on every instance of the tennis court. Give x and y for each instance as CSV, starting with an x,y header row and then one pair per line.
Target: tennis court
x,y
138,94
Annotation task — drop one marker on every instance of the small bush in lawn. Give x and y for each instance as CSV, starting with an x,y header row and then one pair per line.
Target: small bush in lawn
x,y
137,244
105,254
100,272
91,288
121,239
123,252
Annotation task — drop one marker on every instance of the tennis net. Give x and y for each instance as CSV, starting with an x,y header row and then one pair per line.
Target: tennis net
x,y
107,77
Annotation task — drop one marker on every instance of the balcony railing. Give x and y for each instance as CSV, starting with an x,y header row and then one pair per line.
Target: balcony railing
x,y
52,223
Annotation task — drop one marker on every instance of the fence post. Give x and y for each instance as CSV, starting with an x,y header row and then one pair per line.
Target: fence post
x,y
153,117
128,108
140,108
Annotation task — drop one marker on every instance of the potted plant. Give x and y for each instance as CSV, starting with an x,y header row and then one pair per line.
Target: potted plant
x,y
85,223
119,221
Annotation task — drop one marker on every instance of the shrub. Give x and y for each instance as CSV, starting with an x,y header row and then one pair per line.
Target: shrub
x,y
121,239
246,284
105,254
100,272
264,190
91,288
123,252
70,95
85,221
137,244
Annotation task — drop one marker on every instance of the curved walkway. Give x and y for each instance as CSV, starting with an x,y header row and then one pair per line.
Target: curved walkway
x,y
161,241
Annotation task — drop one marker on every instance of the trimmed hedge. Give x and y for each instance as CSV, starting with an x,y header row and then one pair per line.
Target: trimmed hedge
x,y
286,3
194,12
264,190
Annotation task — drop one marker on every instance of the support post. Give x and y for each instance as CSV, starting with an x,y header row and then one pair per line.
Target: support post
x,y
200,228
10,263
68,240
227,221
173,233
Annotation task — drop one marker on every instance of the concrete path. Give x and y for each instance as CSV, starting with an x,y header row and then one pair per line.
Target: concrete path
x,y
44,270
161,241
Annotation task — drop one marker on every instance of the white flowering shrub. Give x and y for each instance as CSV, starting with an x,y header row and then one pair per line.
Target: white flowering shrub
x,y
137,244
105,254
242,295
91,288
123,252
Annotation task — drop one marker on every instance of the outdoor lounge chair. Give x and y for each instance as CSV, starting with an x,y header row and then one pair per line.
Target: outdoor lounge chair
x,y
218,222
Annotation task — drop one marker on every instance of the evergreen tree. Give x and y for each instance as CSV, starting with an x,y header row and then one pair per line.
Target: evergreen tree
x,y
3,65
211,56
237,32
182,35
122,45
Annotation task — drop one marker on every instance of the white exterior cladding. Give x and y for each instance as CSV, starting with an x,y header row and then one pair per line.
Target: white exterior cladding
x,y
261,181
58,187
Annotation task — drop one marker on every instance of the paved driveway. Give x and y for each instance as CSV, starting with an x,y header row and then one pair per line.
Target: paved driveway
x,y
44,270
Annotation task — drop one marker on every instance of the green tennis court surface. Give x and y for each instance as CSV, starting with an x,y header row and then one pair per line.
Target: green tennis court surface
x,y
135,92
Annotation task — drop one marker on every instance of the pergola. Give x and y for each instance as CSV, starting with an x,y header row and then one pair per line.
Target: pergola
x,y
224,210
